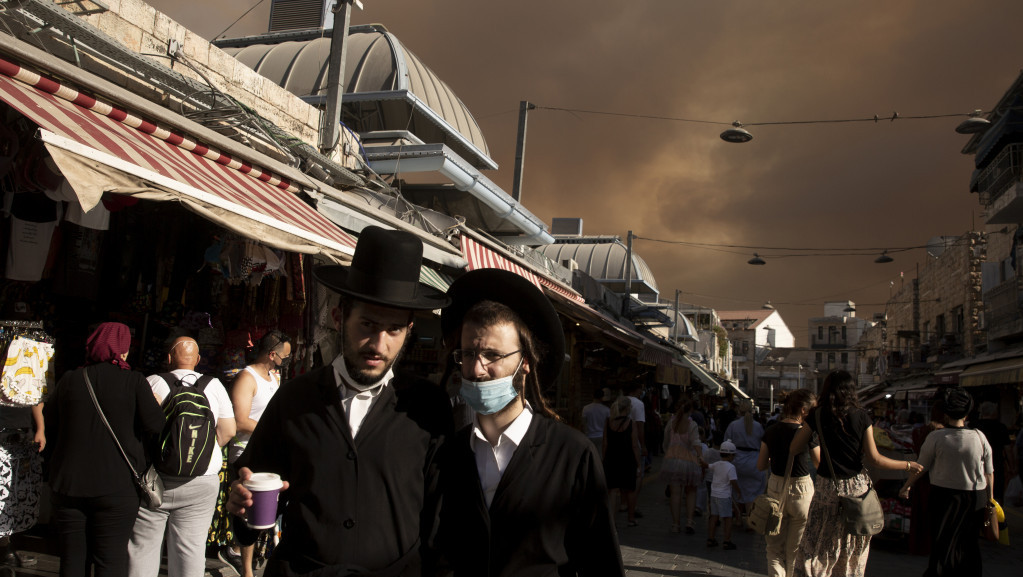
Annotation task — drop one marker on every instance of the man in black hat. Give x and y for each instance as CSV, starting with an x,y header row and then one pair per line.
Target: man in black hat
x,y
359,462
523,492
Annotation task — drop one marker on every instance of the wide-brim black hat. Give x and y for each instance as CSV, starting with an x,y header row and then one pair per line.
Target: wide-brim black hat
x,y
385,271
518,294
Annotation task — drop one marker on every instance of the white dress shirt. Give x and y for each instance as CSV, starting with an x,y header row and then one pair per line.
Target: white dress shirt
x,y
492,460
357,403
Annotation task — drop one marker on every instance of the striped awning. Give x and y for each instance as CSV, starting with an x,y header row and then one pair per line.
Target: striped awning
x,y
100,148
1005,371
654,354
480,256
430,277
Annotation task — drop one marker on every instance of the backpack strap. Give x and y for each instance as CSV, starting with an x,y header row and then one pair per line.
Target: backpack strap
x,y
168,378
201,382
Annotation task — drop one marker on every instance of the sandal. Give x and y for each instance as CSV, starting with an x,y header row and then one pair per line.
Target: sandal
x,y
633,524
728,546
712,542
689,529
676,529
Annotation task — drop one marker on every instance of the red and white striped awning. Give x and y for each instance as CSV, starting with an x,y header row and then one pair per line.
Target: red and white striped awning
x,y
481,256
88,137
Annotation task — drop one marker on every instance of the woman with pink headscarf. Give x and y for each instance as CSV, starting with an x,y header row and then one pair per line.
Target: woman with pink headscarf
x,y
93,491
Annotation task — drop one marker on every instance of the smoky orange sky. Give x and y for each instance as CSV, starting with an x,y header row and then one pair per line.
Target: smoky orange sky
x,y
856,185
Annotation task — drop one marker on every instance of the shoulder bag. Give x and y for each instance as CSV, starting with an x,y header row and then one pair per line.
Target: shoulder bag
x,y
765,516
149,484
862,515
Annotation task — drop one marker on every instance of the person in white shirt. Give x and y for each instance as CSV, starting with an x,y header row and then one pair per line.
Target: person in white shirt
x,y
595,416
541,505
723,485
188,502
251,393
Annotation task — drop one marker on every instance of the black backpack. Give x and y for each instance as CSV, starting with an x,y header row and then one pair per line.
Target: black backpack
x,y
189,439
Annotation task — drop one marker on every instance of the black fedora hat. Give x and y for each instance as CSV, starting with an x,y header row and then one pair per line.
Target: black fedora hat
x,y
384,271
518,294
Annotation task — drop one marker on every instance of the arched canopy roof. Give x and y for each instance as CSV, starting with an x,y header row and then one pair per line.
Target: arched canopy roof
x,y
604,259
387,87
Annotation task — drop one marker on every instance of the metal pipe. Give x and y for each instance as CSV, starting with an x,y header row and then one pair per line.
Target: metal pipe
x,y
329,126
627,303
520,149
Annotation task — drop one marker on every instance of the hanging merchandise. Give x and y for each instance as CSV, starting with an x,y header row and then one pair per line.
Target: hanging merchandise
x,y
21,474
28,369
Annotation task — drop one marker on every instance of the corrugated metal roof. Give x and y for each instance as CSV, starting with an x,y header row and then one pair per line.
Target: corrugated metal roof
x,y
386,86
605,262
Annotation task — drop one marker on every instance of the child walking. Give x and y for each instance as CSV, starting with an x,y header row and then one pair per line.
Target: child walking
x,y
723,482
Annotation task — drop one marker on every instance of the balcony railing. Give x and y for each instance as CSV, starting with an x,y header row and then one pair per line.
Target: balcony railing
x,y
1003,173
1002,304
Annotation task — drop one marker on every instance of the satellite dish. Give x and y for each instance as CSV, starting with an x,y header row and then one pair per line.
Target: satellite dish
x,y
937,244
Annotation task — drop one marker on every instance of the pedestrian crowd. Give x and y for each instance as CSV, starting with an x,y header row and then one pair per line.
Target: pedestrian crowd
x,y
375,478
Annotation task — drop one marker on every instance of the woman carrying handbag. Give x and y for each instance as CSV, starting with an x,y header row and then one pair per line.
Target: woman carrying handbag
x,y
94,489
961,469
790,482
847,443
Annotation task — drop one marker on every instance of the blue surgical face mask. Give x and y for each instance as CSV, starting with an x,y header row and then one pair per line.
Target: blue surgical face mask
x,y
489,397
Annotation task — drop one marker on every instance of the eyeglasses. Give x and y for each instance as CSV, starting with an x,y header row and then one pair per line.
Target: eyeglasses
x,y
469,356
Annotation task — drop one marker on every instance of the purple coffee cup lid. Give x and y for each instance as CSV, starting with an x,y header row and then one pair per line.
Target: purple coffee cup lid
x,y
264,482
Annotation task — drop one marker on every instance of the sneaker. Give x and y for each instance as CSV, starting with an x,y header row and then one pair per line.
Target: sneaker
x,y
231,559
712,542
728,546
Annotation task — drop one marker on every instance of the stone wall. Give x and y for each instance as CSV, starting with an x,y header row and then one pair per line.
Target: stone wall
x,y
946,285
142,29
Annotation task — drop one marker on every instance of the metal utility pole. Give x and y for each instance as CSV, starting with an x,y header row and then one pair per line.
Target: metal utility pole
x,y
330,125
520,149
628,277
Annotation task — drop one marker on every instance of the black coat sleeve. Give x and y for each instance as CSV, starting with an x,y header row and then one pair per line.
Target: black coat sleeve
x,y
264,453
591,540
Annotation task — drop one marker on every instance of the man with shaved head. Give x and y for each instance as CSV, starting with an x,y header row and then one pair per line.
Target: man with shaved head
x,y
188,502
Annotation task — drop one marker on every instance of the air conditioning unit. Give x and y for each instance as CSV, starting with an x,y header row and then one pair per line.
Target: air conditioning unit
x,y
567,226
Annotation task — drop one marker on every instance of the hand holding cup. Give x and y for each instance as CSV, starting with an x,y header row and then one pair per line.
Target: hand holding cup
x,y
255,491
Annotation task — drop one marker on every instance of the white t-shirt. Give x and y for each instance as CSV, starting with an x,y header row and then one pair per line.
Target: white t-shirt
x,y
722,474
638,410
215,393
595,417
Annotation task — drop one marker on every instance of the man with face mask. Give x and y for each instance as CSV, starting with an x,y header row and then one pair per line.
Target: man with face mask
x,y
524,494
361,495
250,393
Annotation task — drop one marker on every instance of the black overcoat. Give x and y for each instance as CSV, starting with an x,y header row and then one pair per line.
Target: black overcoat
x,y
359,506
549,516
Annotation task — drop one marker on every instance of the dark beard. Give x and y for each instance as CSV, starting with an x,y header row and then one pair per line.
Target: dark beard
x,y
361,377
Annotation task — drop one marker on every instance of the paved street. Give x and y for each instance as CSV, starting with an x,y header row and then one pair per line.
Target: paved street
x,y
650,550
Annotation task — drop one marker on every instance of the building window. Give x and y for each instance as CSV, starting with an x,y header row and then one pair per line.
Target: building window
x,y
820,332
939,326
843,332
818,358
845,358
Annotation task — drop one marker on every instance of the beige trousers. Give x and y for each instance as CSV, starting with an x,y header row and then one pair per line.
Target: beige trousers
x,y
781,548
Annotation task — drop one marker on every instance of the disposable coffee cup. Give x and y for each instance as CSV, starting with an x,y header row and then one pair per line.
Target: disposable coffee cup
x,y
265,488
